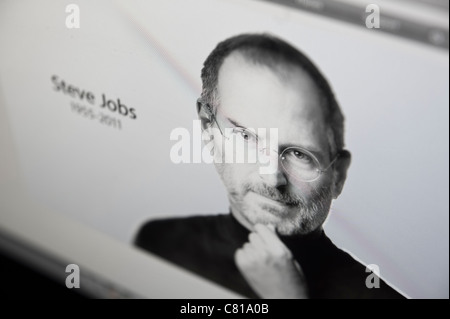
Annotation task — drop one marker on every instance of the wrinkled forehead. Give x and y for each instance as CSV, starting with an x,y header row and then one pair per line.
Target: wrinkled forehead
x,y
271,96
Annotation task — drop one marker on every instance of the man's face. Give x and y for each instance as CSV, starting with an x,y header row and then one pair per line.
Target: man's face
x,y
257,96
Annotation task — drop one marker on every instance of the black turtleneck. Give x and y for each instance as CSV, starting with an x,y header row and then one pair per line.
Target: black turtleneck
x,y
206,245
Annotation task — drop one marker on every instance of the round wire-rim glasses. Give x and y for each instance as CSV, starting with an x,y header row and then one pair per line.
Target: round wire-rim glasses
x,y
296,161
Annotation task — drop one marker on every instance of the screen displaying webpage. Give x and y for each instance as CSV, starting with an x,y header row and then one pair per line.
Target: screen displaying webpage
x,y
101,101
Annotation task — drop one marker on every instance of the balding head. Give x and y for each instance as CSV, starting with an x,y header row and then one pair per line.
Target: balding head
x,y
272,52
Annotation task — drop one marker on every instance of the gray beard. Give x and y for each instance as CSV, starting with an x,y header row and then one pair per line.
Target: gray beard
x,y
311,213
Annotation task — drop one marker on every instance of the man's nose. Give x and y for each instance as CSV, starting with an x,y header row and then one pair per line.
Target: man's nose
x,y
276,178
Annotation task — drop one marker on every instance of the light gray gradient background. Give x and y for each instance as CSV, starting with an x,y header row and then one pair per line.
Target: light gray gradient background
x,y
394,93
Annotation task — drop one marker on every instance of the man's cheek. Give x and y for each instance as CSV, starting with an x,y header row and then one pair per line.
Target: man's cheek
x,y
229,176
239,172
235,176
303,189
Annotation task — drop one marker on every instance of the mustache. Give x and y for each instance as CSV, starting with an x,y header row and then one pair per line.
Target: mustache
x,y
275,194
316,203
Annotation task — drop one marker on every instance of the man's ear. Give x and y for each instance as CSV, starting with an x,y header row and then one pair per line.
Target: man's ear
x,y
205,114
340,167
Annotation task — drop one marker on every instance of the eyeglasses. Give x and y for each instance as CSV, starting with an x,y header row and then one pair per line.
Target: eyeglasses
x,y
297,162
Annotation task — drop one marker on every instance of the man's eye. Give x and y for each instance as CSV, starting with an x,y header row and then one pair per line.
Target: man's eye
x,y
245,134
302,156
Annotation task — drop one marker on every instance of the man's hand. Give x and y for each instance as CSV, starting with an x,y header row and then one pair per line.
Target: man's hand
x,y
268,266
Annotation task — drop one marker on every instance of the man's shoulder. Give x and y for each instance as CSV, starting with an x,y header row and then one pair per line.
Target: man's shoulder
x,y
160,224
204,245
352,279
175,232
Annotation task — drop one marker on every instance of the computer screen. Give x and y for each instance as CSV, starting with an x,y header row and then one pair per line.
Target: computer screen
x,y
101,133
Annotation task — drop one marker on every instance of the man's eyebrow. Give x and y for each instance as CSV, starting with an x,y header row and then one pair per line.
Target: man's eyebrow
x,y
235,123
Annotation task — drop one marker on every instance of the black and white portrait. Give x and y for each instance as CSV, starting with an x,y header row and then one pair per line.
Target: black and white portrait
x,y
221,149
271,244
